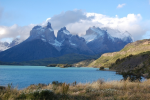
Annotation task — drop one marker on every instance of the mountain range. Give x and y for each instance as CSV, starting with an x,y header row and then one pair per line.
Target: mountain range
x,y
42,43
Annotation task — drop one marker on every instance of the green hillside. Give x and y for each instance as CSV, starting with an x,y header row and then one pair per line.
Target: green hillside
x,y
83,63
109,59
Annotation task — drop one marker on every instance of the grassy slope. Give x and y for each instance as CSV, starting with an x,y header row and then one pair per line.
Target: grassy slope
x,y
135,48
83,63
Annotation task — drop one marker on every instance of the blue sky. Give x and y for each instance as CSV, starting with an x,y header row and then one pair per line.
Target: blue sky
x,y
23,13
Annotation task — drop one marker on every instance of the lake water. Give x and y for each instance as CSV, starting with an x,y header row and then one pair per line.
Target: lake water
x,y
23,76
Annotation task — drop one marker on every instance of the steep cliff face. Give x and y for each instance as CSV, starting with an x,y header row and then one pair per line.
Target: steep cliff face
x,y
46,34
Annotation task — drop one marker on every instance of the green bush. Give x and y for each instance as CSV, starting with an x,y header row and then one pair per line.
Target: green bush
x,y
43,95
131,76
57,83
101,68
117,61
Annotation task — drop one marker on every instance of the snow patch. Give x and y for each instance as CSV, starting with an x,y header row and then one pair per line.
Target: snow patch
x,y
116,33
110,37
72,43
56,43
66,32
44,40
51,29
98,31
90,37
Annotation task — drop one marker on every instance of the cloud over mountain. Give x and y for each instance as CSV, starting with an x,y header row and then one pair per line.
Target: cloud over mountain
x,y
14,31
78,21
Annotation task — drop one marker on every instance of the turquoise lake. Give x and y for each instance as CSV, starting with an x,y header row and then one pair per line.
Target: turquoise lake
x,y
23,76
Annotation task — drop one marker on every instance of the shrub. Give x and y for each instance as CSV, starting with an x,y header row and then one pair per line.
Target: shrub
x,y
74,83
117,61
57,83
65,88
101,68
132,77
43,95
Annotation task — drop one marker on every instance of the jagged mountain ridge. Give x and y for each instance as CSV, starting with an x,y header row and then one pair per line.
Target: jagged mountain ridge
x,y
64,43
101,41
95,41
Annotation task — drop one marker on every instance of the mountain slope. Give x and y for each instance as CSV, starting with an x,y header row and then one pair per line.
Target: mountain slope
x,y
107,59
100,41
65,59
35,49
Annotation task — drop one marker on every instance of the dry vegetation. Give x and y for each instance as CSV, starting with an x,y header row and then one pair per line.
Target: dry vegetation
x,y
99,90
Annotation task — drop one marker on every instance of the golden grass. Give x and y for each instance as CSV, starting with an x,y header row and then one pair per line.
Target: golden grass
x,y
99,90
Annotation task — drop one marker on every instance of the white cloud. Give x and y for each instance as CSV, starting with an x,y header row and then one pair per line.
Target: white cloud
x,y
14,31
149,2
131,23
121,5
77,22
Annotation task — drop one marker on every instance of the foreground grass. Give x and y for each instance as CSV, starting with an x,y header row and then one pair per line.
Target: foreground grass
x,y
99,90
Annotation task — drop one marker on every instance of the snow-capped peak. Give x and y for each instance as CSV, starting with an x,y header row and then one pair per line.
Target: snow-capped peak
x,y
97,30
126,36
48,25
93,33
64,30
118,34
45,33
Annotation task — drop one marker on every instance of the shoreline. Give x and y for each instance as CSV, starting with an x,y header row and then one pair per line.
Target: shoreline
x,y
99,89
